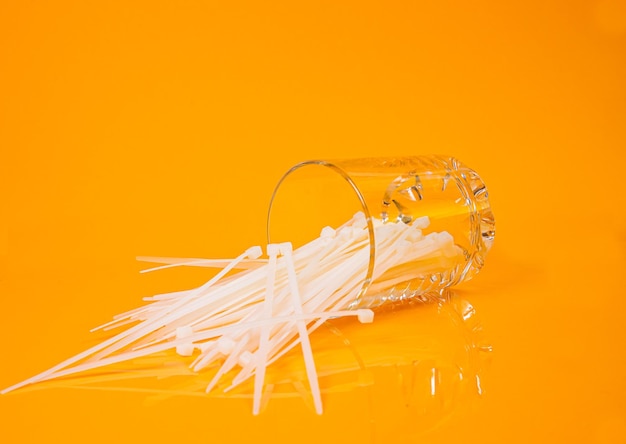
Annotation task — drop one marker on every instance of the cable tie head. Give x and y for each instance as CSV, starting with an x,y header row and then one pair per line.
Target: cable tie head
x,y
272,250
421,222
415,235
245,358
285,247
359,220
185,349
225,345
365,315
184,331
328,232
254,252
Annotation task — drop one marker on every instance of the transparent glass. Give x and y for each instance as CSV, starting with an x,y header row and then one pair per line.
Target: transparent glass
x,y
319,193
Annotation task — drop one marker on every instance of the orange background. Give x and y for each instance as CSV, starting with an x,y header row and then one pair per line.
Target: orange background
x,y
130,128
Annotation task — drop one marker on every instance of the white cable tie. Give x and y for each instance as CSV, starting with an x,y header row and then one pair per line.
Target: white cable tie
x,y
245,358
225,345
229,363
272,250
421,222
305,343
181,333
254,252
328,232
365,315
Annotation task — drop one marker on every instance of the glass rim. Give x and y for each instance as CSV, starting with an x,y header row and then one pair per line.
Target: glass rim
x,y
370,226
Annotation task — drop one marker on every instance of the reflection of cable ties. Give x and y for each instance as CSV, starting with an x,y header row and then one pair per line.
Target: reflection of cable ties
x,y
425,358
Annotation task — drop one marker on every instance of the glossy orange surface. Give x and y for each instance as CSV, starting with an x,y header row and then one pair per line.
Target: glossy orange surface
x,y
161,128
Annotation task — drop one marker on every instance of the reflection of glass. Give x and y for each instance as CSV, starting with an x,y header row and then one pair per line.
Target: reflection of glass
x,y
419,363
314,194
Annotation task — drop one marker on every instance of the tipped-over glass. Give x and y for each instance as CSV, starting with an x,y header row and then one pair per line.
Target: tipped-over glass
x,y
446,201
